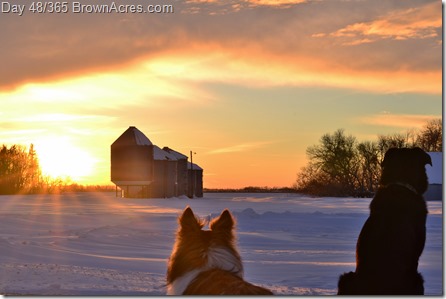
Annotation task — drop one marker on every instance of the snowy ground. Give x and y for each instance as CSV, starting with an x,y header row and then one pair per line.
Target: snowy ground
x,y
97,244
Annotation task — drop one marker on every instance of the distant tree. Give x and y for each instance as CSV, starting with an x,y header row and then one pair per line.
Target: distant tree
x,y
430,138
336,158
33,173
370,166
48,184
19,169
397,140
311,180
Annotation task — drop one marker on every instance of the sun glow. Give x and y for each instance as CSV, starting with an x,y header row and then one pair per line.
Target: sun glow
x,y
58,157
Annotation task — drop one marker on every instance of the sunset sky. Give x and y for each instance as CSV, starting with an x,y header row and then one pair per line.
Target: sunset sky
x,y
247,85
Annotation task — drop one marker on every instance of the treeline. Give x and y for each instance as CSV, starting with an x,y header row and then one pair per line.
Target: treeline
x,y
19,170
20,173
252,189
341,166
67,186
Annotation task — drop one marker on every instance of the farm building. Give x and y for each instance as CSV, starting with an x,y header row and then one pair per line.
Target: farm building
x,y
435,176
182,174
195,180
164,173
141,169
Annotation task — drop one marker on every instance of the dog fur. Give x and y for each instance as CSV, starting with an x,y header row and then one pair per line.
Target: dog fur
x,y
392,238
206,262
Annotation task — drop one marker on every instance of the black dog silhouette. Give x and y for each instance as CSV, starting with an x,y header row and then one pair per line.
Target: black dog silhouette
x,y
392,239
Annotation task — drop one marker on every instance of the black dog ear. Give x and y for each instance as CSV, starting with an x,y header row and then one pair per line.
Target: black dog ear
x,y
424,157
390,155
188,221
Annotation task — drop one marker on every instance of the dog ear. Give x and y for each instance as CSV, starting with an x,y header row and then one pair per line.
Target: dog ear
x,y
390,155
188,222
224,222
424,157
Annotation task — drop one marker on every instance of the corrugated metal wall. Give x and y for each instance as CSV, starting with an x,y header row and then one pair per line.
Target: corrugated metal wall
x,y
132,163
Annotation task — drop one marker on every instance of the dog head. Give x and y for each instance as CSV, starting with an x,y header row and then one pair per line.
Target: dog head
x,y
406,165
196,248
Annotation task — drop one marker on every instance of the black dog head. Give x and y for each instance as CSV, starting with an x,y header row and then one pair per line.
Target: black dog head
x,y
406,165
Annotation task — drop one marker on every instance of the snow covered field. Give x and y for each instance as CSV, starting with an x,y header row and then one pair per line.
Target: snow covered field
x,y
97,244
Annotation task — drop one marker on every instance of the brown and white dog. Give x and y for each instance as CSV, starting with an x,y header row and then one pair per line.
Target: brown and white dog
x,y
206,262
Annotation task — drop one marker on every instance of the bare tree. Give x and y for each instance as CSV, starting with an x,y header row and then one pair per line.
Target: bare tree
x,y
431,136
336,158
370,169
312,181
397,140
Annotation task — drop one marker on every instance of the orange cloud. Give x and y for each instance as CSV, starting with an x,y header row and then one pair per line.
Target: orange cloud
x,y
276,3
201,1
420,22
397,120
220,7
57,117
251,2
257,46
252,66
240,147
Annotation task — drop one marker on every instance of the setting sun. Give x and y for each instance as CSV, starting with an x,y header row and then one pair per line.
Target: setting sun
x,y
58,157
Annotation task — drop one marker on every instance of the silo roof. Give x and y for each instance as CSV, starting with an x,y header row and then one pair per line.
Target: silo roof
x,y
132,136
194,167
178,155
140,138
159,154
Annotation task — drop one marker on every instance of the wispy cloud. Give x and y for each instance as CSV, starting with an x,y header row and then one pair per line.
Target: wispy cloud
x,y
60,117
276,3
201,1
251,67
397,120
240,147
252,3
413,23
